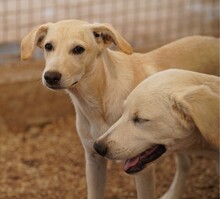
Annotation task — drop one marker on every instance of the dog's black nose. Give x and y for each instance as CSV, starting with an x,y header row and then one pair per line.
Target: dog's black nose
x,y
100,148
52,77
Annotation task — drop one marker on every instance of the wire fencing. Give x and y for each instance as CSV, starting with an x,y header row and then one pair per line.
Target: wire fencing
x,y
146,24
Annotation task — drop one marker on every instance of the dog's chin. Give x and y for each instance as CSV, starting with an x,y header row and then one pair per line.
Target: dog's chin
x,y
59,87
54,87
138,163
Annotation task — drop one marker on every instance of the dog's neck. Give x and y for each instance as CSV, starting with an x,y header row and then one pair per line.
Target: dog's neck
x,y
101,84
194,143
97,77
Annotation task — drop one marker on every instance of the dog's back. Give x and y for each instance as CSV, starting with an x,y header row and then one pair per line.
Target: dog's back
x,y
194,53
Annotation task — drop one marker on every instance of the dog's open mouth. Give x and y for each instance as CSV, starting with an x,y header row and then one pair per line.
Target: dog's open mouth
x,y
137,163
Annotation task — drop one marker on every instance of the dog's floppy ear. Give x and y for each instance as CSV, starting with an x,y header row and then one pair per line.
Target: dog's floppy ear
x,y
200,105
32,39
105,35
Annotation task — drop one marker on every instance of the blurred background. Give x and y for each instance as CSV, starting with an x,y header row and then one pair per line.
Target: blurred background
x,y
40,154
147,24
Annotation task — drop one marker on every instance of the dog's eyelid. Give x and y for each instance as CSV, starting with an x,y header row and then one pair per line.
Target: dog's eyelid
x,y
96,34
137,119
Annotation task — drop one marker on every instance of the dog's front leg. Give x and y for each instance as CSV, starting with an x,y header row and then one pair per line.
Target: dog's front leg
x,y
95,164
145,183
183,164
95,176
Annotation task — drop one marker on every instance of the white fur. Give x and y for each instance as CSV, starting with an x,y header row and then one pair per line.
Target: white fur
x,y
182,112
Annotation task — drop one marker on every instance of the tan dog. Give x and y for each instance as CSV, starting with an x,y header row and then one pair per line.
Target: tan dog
x,y
98,80
173,110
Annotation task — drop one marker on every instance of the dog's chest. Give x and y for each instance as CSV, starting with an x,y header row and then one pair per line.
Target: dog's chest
x,y
100,116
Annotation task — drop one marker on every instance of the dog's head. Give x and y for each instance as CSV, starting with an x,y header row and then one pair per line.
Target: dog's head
x,y
166,112
70,49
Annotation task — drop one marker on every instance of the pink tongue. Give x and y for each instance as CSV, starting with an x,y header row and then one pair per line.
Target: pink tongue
x,y
131,162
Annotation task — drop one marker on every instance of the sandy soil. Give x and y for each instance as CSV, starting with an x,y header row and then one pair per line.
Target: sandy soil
x,y
46,161
42,157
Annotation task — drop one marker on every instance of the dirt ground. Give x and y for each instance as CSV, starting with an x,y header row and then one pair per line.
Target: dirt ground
x,y
41,157
46,161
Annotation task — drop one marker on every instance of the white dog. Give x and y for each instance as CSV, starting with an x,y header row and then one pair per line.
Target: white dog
x,y
173,110
98,80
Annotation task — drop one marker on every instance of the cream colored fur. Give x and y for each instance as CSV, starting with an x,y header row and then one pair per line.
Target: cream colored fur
x,y
175,108
99,80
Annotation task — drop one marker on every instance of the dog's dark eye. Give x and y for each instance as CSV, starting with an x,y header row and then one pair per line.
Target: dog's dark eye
x,y
78,50
48,47
96,34
138,120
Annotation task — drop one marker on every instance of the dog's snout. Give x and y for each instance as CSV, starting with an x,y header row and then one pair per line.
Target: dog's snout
x,y
100,148
52,77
